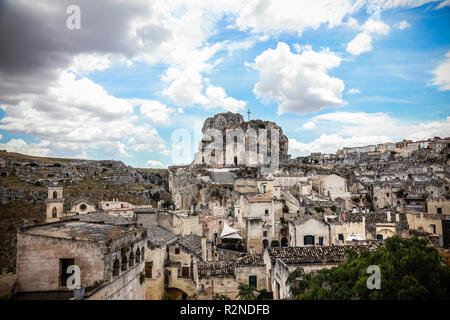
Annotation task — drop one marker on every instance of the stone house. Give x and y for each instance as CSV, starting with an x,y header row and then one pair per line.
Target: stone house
x,y
281,262
305,230
224,277
259,215
110,258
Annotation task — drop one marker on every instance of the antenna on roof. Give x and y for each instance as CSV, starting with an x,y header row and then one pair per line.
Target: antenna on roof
x,y
248,112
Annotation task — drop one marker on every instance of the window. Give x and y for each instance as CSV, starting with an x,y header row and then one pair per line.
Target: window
x,y
264,188
142,254
116,268
124,263
83,207
64,276
446,188
308,240
54,212
138,255
220,223
264,233
433,228
341,237
387,194
148,269
439,210
177,250
55,195
131,263
266,212
321,241
185,272
252,282
379,237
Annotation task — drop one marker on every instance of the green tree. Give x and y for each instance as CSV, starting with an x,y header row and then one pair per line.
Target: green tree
x,y
166,204
246,292
156,196
220,297
410,269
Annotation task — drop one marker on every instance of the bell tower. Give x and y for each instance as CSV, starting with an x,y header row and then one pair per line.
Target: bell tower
x,y
55,204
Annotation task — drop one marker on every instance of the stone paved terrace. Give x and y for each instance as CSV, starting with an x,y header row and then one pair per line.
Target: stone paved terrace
x,y
78,230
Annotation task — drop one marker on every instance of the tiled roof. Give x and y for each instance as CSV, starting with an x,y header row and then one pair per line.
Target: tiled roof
x,y
216,268
191,242
316,254
251,259
157,236
302,218
259,198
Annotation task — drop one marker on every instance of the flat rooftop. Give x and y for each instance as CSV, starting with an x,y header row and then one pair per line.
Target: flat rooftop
x,y
79,230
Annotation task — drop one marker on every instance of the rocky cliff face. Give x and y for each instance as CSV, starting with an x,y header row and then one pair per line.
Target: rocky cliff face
x,y
24,181
230,120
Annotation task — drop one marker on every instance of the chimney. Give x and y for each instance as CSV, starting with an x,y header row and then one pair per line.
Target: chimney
x,y
388,214
204,248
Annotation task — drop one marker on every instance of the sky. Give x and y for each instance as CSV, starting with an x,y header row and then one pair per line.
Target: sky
x,y
128,80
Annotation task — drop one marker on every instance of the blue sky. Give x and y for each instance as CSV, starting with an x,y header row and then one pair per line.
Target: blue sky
x,y
330,73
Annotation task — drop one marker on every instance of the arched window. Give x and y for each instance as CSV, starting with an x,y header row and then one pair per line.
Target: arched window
x,y
142,254
131,263
116,268
284,242
54,212
55,195
124,263
138,255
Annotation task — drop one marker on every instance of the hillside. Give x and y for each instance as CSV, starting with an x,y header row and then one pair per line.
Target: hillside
x,y
24,180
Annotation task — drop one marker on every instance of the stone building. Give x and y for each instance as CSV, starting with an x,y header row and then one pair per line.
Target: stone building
x,y
305,229
157,246
55,204
224,277
110,258
281,262
259,219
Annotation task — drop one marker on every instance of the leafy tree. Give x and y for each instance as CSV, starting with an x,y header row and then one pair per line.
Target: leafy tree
x,y
166,204
220,297
410,269
246,292
156,196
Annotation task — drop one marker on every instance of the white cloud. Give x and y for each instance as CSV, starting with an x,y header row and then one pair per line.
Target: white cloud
x,y
309,125
353,129
353,91
299,82
85,63
363,41
445,3
442,74
20,146
403,25
295,16
218,98
75,115
155,164
156,112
